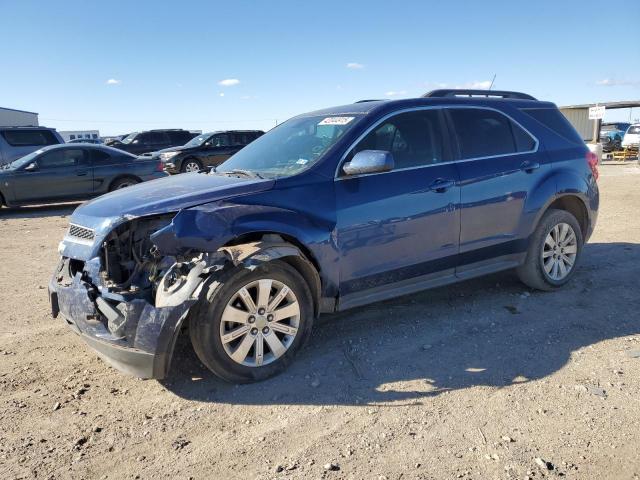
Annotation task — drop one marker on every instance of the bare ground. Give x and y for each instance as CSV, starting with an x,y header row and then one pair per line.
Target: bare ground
x,y
475,380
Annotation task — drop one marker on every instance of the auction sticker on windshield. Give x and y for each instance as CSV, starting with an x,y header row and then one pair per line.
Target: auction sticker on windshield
x,y
336,120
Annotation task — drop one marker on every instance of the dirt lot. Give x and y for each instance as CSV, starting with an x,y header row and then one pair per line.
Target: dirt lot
x,y
481,380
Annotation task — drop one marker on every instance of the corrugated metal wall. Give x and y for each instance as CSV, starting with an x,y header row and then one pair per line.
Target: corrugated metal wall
x,y
579,118
15,118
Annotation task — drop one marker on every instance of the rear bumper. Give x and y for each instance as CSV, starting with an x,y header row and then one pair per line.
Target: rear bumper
x,y
143,344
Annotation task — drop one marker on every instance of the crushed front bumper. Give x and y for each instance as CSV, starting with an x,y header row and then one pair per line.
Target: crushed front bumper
x,y
144,344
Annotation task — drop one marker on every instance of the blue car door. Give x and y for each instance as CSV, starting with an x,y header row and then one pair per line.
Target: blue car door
x,y
499,167
398,229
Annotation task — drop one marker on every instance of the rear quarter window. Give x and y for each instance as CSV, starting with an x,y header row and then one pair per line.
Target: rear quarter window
x,y
556,121
29,138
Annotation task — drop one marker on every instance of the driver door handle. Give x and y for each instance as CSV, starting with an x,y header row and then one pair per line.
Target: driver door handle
x,y
529,167
441,185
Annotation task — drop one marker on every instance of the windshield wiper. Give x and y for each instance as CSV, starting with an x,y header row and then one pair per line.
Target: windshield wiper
x,y
246,173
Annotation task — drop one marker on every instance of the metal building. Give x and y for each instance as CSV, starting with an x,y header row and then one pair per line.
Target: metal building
x,y
578,116
79,134
10,117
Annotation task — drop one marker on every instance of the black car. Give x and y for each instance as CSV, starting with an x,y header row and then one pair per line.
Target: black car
x,y
72,172
152,140
206,150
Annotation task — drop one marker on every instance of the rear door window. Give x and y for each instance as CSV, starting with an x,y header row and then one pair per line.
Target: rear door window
x,y
487,133
29,138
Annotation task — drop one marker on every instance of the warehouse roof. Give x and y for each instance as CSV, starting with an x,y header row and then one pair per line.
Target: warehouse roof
x,y
15,110
608,105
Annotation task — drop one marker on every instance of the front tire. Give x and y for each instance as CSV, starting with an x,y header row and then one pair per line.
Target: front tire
x,y
190,165
252,323
554,251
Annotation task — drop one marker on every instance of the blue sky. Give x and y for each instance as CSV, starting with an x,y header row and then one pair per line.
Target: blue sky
x,y
120,66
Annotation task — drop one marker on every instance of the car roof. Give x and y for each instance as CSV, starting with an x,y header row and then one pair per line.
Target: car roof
x,y
376,106
90,146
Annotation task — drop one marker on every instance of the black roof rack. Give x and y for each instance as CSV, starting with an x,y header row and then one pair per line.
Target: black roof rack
x,y
369,100
463,92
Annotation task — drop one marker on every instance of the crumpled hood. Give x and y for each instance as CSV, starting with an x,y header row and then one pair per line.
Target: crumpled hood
x,y
157,197
169,194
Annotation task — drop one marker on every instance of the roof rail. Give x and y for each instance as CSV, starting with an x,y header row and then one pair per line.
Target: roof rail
x,y
369,100
463,92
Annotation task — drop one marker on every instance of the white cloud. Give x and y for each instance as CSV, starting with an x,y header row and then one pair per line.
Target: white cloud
x,y
221,94
228,82
394,93
612,82
482,85
113,81
355,66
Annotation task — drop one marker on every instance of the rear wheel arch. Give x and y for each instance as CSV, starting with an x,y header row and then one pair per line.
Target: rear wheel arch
x,y
123,177
576,207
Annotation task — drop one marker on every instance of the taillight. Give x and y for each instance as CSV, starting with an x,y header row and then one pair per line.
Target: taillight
x,y
159,167
592,160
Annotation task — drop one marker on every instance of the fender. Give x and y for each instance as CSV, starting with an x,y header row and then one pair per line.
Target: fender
x,y
208,227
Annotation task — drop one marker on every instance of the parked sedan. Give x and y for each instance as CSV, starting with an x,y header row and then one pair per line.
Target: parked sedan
x,y
72,172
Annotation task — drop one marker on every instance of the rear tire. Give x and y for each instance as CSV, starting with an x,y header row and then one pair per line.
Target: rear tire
x,y
244,339
554,251
123,182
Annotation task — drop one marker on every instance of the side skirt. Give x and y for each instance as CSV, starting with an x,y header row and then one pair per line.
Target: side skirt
x,y
424,282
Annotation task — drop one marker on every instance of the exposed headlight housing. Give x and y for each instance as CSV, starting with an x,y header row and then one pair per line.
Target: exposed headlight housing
x,y
167,155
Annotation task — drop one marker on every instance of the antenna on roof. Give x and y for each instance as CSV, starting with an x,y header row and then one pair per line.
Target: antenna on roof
x,y
492,80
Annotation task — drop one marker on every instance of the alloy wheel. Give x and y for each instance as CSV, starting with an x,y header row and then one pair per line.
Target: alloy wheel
x,y
260,322
192,167
559,251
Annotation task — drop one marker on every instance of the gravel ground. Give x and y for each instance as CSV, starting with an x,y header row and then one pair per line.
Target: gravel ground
x,y
482,380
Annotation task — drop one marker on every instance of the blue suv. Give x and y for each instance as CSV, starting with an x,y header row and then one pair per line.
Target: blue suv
x,y
330,210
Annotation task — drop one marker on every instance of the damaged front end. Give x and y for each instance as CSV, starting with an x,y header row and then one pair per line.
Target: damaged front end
x,y
127,300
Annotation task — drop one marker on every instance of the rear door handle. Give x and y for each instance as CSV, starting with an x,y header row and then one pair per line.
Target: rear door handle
x,y
81,174
529,166
441,185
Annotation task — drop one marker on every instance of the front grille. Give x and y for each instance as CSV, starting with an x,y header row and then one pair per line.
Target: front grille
x,y
83,233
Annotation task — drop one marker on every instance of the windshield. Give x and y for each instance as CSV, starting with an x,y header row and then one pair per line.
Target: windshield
x,y
634,129
129,138
199,140
290,147
23,160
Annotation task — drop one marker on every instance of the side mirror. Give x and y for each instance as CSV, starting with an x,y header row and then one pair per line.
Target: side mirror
x,y
369,161
32,167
